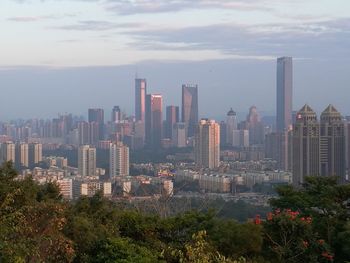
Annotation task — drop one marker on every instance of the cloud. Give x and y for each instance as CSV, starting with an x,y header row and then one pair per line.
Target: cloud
x,y
129,7
96,25
318,39
38,18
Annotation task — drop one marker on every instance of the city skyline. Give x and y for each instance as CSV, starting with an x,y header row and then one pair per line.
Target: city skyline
x,y
95,48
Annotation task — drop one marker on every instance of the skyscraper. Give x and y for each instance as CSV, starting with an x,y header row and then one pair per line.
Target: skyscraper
x,y
86,160
284,93
255,127
118,159
332,144
231,125
190,108
306,145
172,117
116,115
22,151
154,120
207,144
179,135
7,152
35,153
97,115
140,99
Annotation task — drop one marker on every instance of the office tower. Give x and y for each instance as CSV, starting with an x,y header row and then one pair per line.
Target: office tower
x,y
97,115
35,153
116,115
84,133
275,145
94,133
8,152
22,155
231,125
179,135
86,160
139,135
172,117
190,108
223,133
255,127
118,159
207,144
332,144
240,138
154,120
140,99
306,145
284,93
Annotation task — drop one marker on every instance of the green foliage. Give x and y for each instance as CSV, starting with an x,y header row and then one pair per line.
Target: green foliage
x,y
37,225
234,239
122,250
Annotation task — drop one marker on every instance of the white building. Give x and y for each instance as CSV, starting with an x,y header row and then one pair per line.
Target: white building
x,y
207,144
179,135
86,160
240,138
118,160
7,152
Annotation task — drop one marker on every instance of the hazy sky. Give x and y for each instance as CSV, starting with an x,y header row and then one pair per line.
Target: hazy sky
x,y
67,55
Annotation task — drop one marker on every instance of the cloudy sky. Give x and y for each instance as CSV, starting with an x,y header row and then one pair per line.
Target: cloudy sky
x,y
68,55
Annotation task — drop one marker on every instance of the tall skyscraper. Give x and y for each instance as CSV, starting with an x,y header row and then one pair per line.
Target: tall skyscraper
x,y
86,160
35,153
332,144
284,93
154,120
172,117
179,135
83,133
140,99
118,159
207,144
22,152
7,152
116,115
97,115
190,108
231,125
306,145
255,127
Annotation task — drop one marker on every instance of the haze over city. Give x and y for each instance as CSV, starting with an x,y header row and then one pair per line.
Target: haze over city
x,y
67,56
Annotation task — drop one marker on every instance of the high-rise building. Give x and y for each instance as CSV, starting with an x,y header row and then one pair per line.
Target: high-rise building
x,y
240,138
179,135
86,160
207,144
7,152
306,145
154,120
97,115
116,115
22,151
172,117
255,127
140,99
35,153
83,133
190,108
332,144
231,125
118,159
284,93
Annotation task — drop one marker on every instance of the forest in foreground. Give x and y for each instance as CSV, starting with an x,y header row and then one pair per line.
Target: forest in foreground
x,y
310,224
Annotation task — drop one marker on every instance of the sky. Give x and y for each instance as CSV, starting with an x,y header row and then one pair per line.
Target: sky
x,y
60,56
